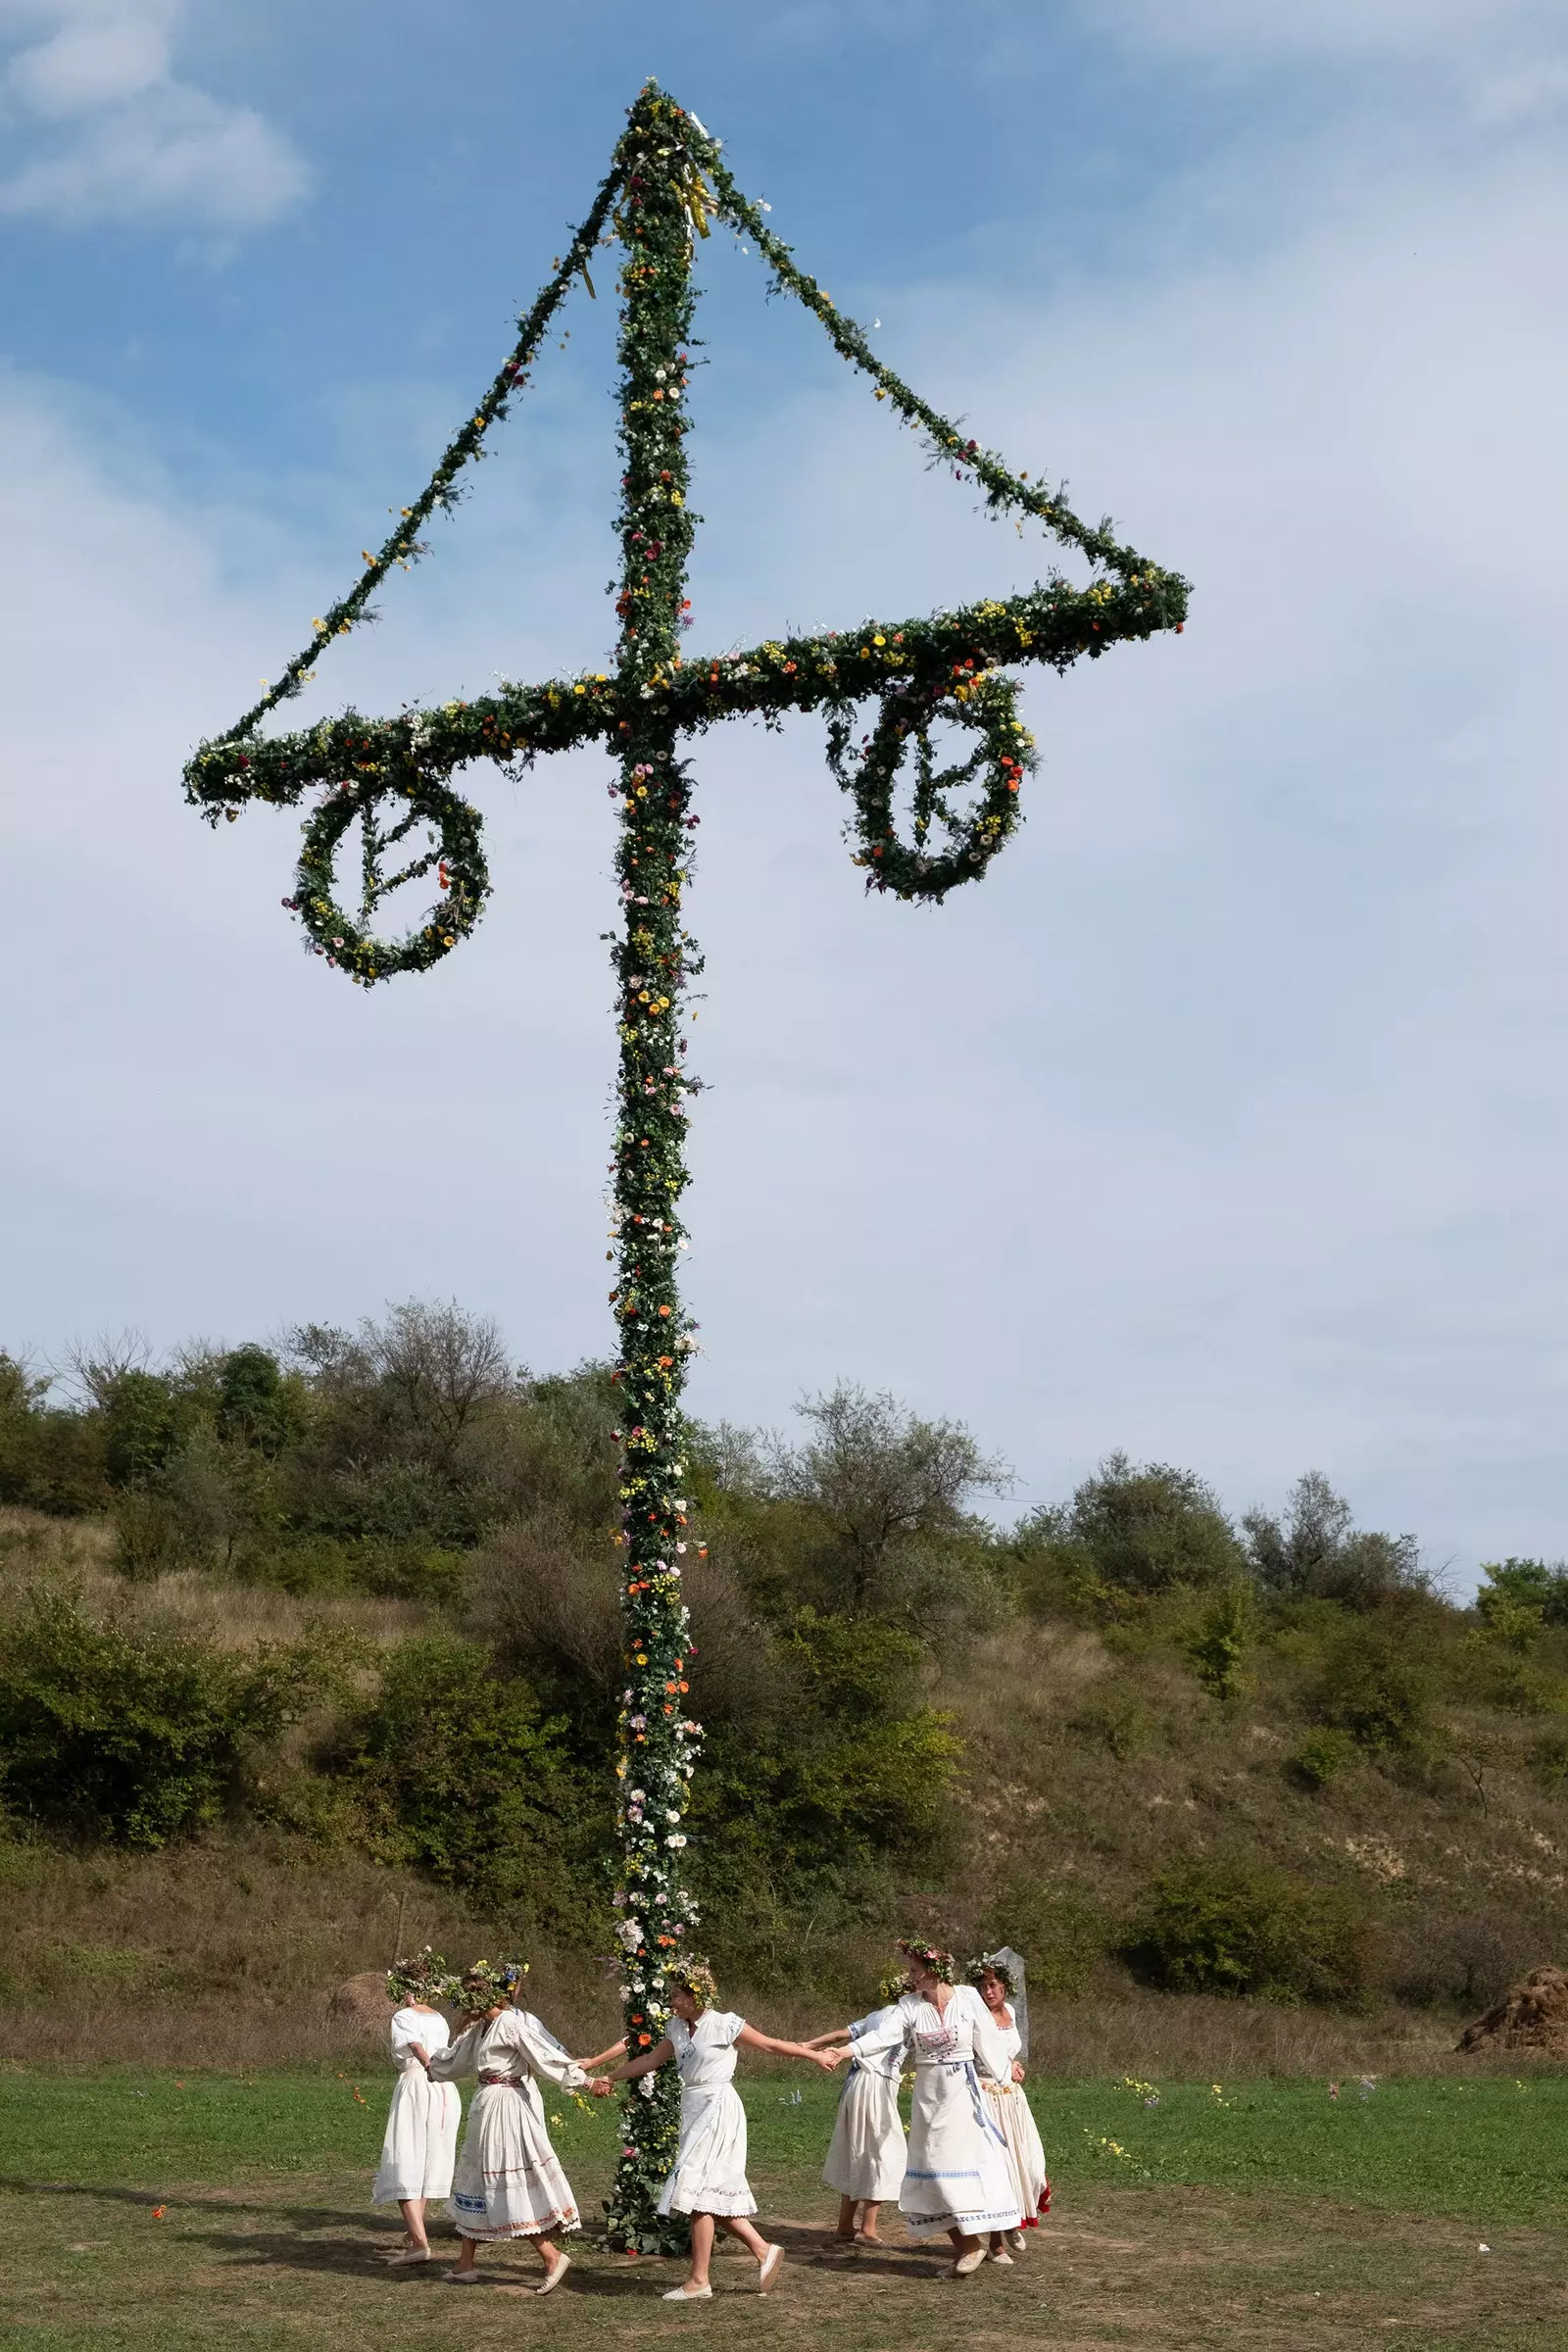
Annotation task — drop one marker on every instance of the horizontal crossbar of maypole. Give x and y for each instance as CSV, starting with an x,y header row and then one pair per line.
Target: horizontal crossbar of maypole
x,y
1055,625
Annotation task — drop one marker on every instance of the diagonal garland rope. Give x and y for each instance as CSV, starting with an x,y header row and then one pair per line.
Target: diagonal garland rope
x,y
466,444
1005,490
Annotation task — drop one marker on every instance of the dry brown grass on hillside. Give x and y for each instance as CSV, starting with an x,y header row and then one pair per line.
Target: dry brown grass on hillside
x,y
226,1954
34,1549
1088,1772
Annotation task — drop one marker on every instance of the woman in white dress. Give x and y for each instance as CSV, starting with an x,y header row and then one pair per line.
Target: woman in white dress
x,y
422,2127
958,2178
866,2155
508,2181
708,2180
997,1978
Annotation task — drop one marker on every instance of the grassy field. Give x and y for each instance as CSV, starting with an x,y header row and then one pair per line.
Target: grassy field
x,y
160,2214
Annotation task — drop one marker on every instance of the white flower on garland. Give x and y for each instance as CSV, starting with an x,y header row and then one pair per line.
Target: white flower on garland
x,y
677,1841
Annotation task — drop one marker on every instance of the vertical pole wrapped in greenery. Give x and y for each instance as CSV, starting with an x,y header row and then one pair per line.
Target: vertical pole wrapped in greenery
x,y
653,959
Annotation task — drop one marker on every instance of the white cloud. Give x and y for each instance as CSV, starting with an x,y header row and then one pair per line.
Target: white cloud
x,y
1330,29
142,144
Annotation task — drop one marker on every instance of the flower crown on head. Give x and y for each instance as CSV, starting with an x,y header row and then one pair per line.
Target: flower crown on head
x,y
488,1983
931,1957
424,1978
987,1967
697,1977
894,1986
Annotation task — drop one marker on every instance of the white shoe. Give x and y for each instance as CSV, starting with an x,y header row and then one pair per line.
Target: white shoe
x,y
410,2254
969,2262
461,2278
563,2266
1017,2241
1000,2254
689,2294
769,2269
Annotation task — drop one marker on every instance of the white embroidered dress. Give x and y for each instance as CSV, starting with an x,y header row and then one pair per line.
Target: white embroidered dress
x,y
421,2127
709,2175
959,2176
1010,2108
866,2155
508,2181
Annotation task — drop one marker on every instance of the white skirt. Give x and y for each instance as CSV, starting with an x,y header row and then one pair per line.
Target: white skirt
x,y
1026,2158
959,2176
709,2175
508,2181
421,2139
865,2157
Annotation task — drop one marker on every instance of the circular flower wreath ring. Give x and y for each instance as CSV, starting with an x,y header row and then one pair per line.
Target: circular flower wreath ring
x,y
456,856
983,702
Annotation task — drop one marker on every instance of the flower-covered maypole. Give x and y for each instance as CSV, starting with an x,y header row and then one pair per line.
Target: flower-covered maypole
x,y
393,779
655,957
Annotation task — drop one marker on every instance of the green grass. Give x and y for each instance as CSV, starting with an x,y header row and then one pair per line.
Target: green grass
x,y
1279,2219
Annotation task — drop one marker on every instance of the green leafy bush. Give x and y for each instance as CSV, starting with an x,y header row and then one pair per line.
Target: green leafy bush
x,y
1148,1528
1515,1592
1230,1923
132,1735
461,1775
1218,1644
1321,1757
1377,1687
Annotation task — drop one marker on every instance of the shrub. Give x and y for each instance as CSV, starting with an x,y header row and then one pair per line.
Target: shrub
x,y
134,1736
462,1775
1520,1596
1218,1644
49,1461
1378,1689
1230,1923
141,1426
1149,1528
1321,1757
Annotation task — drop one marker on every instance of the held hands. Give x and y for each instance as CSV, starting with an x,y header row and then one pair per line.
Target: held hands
x,y
599,2088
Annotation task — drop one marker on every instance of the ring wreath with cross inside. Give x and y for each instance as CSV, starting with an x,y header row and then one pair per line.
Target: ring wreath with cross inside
x,y
455,854
985,702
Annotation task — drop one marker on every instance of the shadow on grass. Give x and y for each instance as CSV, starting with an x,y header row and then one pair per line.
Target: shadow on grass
x,y
314,2239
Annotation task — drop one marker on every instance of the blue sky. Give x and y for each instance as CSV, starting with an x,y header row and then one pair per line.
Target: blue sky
x,y
1225,1121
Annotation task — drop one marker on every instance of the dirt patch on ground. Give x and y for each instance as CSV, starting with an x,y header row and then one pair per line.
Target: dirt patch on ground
x,y
1534,2016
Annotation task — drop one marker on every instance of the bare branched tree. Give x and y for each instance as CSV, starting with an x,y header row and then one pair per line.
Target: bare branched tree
x,y
92,1367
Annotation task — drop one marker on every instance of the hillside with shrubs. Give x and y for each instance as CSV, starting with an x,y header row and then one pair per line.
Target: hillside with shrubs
x,y
309,1647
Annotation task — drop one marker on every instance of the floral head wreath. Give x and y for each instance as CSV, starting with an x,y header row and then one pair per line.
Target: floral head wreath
x,y
929,1958
984,1967
489,1981
697,1977
894,1986
424,1978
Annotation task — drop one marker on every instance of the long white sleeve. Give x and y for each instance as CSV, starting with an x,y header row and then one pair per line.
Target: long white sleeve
x,y
544,2053
885,2030
458,2058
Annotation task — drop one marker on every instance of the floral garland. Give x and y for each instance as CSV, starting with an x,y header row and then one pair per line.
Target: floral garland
x,y
424,1978
983,1967
489,1985
931,1958
666,184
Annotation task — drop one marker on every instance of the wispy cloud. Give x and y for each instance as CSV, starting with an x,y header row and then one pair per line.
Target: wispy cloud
x,y
114,135
1334,28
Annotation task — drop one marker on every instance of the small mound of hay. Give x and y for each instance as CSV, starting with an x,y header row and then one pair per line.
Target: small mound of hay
x,y
361,2004
1534,2016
